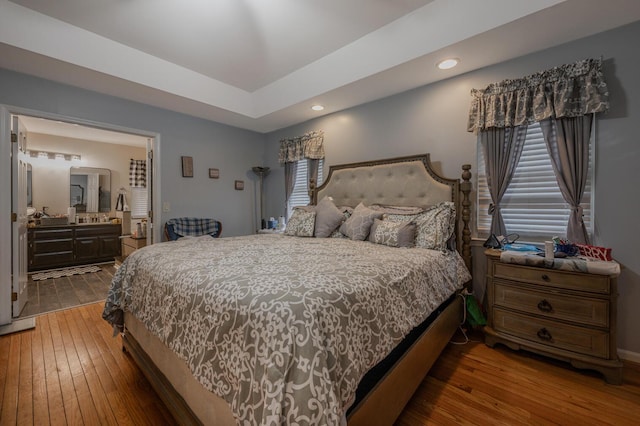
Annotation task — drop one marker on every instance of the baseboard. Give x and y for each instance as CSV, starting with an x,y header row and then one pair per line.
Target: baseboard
x,y
18,325
629,356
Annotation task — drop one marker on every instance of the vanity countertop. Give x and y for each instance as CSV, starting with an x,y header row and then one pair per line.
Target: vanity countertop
x,y
75,225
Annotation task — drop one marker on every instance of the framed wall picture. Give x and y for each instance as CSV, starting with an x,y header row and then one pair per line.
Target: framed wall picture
x,y
214,173
187,166
239,185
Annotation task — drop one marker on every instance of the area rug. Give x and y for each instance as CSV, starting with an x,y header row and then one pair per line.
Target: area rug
x,y
67,272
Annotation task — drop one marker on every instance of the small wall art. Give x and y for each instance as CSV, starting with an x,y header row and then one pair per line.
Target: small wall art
x,y
187,166
214,173
239,185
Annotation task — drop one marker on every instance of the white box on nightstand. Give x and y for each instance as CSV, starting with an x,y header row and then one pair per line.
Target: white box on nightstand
x,y
125,218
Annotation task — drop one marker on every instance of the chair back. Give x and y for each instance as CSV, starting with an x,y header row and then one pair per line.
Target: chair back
x,y
192,227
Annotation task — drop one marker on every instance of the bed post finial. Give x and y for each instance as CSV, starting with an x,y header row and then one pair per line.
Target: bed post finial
x,y
313,197
465,187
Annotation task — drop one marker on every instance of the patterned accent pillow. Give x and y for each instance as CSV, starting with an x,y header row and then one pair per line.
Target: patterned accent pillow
x,y
346,213
358,225
434,226
301,223
328,218
394,234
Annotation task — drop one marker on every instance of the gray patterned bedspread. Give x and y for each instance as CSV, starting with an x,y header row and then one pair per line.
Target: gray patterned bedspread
x,y
282,328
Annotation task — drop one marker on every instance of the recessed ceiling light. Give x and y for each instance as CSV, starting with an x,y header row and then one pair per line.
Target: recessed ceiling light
x,y
448,63
317,107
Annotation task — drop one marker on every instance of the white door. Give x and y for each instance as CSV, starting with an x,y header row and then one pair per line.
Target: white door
x,y
6,244
19,206
150,218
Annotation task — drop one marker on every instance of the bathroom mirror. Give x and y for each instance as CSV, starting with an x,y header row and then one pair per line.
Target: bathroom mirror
x,y
90,189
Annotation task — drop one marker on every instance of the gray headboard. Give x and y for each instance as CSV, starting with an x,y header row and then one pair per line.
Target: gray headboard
x,y
402,181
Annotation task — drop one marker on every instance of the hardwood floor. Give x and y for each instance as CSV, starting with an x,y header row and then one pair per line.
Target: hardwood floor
x,y
474,384
69,371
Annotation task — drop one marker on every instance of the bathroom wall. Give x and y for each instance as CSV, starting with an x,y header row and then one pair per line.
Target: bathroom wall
x,y
51,177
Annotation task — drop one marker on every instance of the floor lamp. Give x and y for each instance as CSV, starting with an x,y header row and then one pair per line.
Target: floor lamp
x,y
261,172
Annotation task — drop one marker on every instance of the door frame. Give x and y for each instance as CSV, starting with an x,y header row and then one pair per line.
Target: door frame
x,y
6,234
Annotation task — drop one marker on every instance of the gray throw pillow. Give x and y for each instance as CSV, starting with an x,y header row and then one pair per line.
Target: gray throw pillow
x,y
394,234
358,225
328,218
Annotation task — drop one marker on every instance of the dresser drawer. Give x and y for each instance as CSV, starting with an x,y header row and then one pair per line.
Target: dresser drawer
x,y
52,246
559,279
582,340
583,310
50,233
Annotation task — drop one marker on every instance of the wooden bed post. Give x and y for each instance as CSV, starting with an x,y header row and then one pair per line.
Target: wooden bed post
x,y
465,187
313,195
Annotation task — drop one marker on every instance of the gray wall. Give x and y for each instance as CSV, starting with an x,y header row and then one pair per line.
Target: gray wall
x,y
212,145
433,119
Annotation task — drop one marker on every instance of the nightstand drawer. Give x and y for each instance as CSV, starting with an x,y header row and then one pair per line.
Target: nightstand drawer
x,y
559,279
584,341
583,310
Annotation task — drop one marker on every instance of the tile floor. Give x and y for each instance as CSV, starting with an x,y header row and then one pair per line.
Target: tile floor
x,y
61,293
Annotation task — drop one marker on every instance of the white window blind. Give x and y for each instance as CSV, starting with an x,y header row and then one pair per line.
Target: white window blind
x,y
532,206
138,202
300,194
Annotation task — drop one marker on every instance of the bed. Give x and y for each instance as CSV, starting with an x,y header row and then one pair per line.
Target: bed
x,y
284,329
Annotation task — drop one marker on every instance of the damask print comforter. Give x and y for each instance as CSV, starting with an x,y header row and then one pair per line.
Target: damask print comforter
x,y
283,328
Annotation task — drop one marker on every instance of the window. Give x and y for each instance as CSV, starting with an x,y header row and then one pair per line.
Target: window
x,y
139,202
300,194
533,206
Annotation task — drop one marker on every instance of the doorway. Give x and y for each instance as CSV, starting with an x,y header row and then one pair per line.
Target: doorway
x,y
51,144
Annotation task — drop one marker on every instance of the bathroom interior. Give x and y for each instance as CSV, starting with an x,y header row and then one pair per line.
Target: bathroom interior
x,y
79,207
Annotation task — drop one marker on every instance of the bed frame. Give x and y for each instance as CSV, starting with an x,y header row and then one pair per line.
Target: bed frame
x,y
409,181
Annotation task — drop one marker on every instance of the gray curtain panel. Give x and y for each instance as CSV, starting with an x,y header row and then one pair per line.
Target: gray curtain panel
x,y
502,148
290,170
567,141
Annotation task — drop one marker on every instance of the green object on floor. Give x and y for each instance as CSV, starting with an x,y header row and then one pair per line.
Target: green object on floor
x,y
475,317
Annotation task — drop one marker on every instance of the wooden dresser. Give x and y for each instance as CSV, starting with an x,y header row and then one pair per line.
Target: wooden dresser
x,y
69,245
569,316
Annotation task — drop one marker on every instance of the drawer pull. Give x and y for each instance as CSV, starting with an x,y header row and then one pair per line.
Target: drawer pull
x,y
546,278
544,334
545,306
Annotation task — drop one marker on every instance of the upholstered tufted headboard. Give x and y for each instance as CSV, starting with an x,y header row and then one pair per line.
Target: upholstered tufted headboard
x,y
403,181
399,184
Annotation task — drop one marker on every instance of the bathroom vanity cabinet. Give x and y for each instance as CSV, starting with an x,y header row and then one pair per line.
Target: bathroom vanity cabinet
x,y
70,245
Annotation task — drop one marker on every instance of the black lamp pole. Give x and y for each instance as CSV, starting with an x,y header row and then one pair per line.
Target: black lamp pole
x,y
261,172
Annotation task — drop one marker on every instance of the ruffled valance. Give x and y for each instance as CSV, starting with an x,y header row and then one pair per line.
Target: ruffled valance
x,y
569,90
309,145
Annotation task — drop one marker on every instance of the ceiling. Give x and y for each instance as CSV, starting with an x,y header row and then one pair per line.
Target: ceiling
x,y
76,131
261,64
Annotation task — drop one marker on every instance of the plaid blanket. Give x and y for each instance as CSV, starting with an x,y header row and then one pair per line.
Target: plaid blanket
x,y
192,227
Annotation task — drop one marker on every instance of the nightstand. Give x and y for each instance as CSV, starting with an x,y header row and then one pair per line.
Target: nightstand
x,y
130,244
569,316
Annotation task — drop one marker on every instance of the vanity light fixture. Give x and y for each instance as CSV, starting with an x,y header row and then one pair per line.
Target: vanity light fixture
x,y
448,63
54,155
317,107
